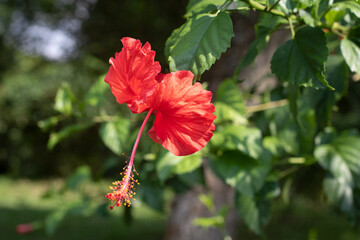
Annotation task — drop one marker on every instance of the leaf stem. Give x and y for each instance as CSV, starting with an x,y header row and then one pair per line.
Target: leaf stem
x,y
291,28
274,5
104,118
267,4
339,30
225,5
266,106
238,9
288,171
316,11
325,12
258,6
335,28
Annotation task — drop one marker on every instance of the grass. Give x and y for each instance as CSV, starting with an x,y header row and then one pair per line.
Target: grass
x,y
23,201
303,219
313,221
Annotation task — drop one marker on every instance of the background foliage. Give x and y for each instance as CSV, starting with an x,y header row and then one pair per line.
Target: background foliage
x,y
300,139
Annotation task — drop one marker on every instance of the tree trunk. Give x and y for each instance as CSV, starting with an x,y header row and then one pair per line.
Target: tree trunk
x,y
187,207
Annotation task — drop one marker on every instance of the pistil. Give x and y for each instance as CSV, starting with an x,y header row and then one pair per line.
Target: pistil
x,y
123,191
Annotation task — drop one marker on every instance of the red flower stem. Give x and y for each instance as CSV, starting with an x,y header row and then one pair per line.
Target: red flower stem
x,y
138,139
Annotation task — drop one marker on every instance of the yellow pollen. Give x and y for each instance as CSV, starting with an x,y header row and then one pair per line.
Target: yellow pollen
x,y
123,191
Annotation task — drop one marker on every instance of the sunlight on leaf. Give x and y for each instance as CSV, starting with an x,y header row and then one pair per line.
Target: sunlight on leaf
x,y
197,44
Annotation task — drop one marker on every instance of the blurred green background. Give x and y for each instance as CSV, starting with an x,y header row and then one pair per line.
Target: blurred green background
x,y
46,43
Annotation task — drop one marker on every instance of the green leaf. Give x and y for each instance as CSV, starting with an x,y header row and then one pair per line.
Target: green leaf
x,y
293,94
244,139
208,201
229,103
81,175
197,44
308,129
268,23
56,137
283,127
308,3
356,194
341,158
348,5
294,138
189,179
323,7
188,163
115,134
216,221
152,194
170,164
256,210
64,99
354,35
53,220
338,75
270,190
287,6
351,54
273,144
306,123
308,18
260,42
339,193
50,122
302,60
323,100
241,171
249,212
97,92
334,16
196,7
325,137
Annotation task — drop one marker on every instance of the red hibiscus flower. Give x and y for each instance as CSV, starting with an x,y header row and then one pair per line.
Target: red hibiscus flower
x,y
24,228
184,119
183,112
132,74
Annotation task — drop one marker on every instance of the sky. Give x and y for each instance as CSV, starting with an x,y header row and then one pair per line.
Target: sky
x,y
56,42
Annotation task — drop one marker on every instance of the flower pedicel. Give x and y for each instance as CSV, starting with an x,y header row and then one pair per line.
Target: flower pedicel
x,y
183,112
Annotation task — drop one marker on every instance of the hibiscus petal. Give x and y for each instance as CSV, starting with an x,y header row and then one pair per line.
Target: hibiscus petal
x,y
184,119
132,74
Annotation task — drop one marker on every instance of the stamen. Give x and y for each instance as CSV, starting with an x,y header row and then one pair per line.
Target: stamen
x,y
123,191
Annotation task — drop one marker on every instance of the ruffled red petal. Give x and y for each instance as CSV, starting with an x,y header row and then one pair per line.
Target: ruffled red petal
x,y
184,119
132,74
